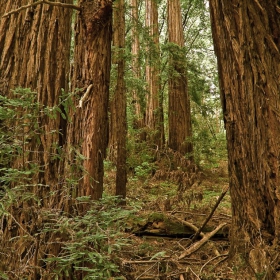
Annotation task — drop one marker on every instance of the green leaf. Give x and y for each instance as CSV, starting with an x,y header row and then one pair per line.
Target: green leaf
x,y
158,255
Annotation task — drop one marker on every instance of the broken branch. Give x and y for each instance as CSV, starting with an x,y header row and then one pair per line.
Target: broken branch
x,y
201,242
189,225
210,215
59,4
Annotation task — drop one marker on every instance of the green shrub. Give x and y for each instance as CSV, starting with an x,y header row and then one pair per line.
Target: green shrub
x,y
93,241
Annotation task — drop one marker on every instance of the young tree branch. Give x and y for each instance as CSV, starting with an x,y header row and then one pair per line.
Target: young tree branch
x,y
59,4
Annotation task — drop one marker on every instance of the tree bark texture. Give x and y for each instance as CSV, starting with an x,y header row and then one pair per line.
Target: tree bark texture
x,y
247,42
118,127
139,121
88,132
154,108
34,53
179,114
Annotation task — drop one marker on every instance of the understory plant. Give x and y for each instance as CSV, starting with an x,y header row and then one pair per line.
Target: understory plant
x,y
47,241
93,241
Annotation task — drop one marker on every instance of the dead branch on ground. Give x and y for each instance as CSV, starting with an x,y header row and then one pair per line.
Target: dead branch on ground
x,y
210,215
201,242
189,225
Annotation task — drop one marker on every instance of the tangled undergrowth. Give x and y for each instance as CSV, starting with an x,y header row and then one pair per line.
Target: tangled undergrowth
x,y
171,209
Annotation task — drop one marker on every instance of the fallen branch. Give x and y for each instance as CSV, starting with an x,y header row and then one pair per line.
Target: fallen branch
x,y
225,257
201,242
189,225
146,261
59,4
147,270
141,262
210,215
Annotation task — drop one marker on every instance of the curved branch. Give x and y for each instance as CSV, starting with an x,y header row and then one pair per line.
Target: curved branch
x,y
59,4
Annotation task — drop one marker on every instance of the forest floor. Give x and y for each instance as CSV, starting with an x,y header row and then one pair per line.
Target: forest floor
x,y
161,244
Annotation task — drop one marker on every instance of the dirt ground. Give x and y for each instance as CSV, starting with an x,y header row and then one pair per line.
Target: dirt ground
x,y
161,244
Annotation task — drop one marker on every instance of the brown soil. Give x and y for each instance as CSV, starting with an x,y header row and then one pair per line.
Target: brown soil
x,y
162,232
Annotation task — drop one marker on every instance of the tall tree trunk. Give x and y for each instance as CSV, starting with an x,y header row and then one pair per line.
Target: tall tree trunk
x,y
88,133
30,58
34,53
118,128
154,108
135,51
247,43
179,113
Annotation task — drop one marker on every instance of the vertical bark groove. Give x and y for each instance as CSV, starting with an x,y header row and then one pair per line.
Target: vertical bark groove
x,y
118,126
92,67
179,113
154,109
34,53
245,42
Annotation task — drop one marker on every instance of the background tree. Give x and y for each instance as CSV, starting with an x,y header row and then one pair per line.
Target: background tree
x,y
179,114
154,109
118,125
138,121
246,38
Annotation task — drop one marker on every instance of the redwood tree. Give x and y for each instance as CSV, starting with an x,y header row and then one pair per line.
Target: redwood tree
x,y
34,53
87,135
138,122
118,126
154,109
247,43
179,113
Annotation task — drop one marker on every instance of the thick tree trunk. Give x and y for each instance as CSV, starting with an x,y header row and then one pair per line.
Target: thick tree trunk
x,y
179,113
30,59
88,133
34,53
118,127
154,109
247,43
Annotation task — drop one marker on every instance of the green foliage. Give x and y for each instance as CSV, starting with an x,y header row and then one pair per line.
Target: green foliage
x,y
93,240
140,158
4,276
19,130
210,149
18,124
142,171
90,242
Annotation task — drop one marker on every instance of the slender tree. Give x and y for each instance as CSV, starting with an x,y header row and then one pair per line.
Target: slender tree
x,y
135,65
247,43
154,109
179,113
118,127
87,135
